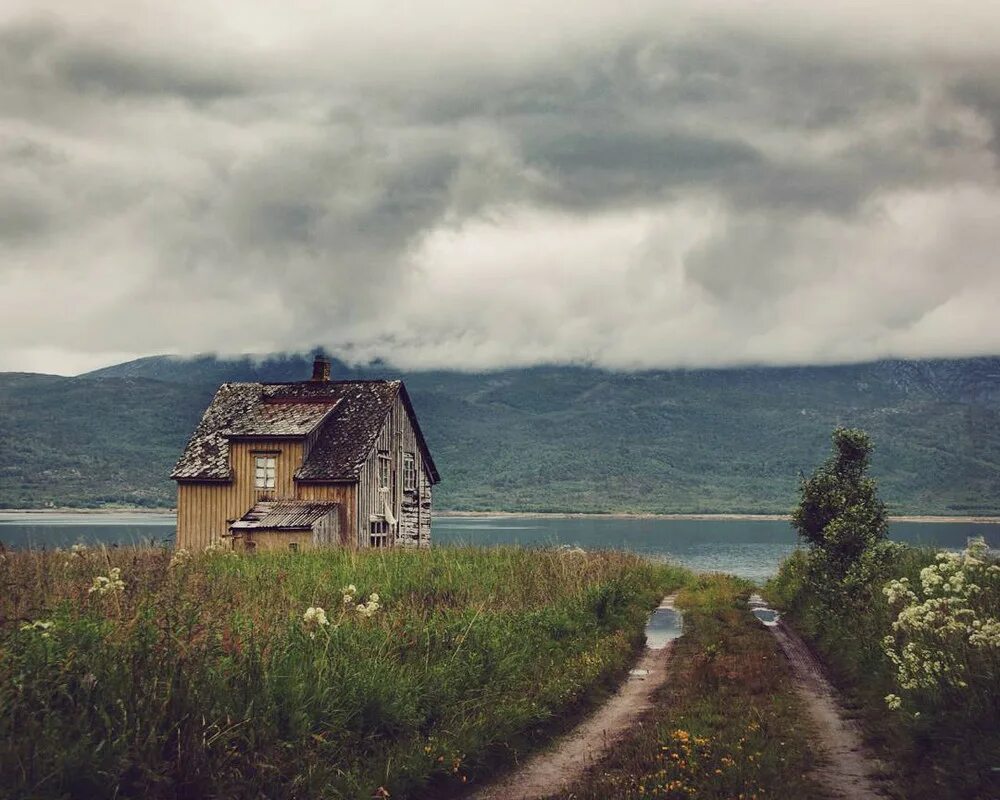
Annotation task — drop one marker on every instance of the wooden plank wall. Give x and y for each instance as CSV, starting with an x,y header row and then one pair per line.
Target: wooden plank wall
x,y
326,530
346,494
397,436
205,509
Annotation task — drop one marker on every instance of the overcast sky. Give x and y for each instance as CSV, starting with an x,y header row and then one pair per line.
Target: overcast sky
x,y
469,185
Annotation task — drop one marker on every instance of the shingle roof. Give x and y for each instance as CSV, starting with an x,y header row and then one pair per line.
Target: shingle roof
x,y
345,415
294,515
281,419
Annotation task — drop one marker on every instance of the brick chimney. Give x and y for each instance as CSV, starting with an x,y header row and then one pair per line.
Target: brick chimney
x,y
321,368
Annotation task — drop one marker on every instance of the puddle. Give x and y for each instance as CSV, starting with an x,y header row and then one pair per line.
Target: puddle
x,y
766,615
665,625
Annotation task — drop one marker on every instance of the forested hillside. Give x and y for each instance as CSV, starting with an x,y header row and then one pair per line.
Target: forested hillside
x,y
547,438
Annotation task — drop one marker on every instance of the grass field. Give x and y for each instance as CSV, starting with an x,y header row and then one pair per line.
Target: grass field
x,y
728,723
210,676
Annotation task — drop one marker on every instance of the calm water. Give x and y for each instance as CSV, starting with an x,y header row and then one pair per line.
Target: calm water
x,y
751,548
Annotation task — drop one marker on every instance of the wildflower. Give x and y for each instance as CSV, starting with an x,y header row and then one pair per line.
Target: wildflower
x,y
368,609
38,626
112,583
180,557
349,591
894,701
78,549
315,616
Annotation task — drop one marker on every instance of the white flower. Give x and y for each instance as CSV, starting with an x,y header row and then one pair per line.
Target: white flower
x,y
894,701
368,609
180,558
315,616
78,549
111,583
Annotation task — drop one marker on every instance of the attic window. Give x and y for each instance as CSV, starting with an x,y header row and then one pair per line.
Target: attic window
x,y
409,472
265,469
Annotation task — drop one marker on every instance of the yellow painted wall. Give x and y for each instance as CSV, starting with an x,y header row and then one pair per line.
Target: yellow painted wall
x,y
279,540
204,510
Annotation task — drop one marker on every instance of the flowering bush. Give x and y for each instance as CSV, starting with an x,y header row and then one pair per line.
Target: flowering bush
x,y
110,583
946,635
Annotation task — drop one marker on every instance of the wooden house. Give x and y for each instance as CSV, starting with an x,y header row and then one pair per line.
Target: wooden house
x,y
299,465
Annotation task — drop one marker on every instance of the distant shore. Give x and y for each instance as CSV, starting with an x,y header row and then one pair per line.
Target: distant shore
x,y
977,519
721,516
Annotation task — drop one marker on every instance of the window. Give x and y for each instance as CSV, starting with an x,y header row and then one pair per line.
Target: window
x,y
265,468
378,533
409,472
384,469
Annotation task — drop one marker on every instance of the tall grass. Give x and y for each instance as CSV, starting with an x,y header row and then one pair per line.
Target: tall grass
x,y
202,678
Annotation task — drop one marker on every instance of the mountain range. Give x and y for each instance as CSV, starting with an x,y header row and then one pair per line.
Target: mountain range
x,y
548,438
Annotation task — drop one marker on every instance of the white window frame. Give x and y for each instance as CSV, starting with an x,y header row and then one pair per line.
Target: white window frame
x,y
409,472
265,471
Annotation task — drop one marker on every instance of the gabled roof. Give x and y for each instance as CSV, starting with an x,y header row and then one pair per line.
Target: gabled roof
x,y
288,515
345,417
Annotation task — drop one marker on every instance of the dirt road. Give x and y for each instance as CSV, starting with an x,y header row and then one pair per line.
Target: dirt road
x,y
556,769
849,771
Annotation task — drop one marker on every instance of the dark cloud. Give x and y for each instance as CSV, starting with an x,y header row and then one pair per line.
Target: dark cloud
x,y
723,184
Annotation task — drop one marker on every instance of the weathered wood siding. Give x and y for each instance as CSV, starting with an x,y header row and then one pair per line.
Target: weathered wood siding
x,y
424,510
326,531
410,508
344,493
204,510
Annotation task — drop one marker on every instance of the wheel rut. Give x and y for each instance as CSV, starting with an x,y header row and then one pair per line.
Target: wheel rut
x,y
849,771
556,769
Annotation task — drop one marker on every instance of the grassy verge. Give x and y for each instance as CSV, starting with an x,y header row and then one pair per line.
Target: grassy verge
x,y
940,744
204,677
727,724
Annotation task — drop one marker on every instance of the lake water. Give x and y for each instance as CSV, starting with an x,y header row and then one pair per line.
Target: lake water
x,y
751,548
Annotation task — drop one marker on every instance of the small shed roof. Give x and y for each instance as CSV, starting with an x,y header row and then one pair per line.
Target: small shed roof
x,y
288,515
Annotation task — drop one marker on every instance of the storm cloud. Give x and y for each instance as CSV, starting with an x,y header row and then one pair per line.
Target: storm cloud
x,y
483,185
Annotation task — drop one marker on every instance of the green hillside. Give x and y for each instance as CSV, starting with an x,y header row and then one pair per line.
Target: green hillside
x,y
548,438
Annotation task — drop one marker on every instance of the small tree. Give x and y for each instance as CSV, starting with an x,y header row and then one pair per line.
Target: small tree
x,y
840,514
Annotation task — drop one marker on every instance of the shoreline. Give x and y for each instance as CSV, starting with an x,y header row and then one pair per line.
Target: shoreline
x,y
978,519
